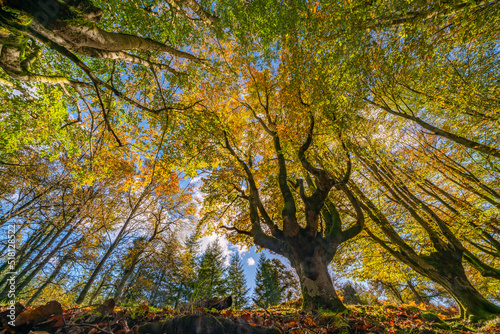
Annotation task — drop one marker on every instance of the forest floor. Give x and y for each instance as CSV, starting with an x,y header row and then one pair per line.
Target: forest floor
x,y
52,318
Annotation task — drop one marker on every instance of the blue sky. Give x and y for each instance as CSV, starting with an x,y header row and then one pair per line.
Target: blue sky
x,y
249,257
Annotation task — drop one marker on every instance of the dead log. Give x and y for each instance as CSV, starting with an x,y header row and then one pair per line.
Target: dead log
x,y
217,303
204,324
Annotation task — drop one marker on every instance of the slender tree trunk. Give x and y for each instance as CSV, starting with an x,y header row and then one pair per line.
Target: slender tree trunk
x,y
97,290
56,270
97,270
416,295
13,212
19,276
42,251
49,280
128,291
36,241
155,291
133,265
17,234
111,248
23,250
390,286
125,278
32,275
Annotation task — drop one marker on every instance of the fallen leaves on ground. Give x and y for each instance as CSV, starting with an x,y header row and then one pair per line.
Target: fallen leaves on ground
x,y
39,314
107,318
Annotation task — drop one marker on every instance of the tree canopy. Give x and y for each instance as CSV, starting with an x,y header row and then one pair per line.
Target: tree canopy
x,y
356,136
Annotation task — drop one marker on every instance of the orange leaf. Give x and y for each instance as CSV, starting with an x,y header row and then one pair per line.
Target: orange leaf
x,y
246,316
227,313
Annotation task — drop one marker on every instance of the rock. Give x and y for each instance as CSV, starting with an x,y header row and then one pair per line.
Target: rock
x,y
11,313
203,324
39,314
107,307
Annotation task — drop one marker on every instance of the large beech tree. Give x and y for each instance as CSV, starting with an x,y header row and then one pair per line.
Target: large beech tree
x,y
417,215
444,262
266,179
308,249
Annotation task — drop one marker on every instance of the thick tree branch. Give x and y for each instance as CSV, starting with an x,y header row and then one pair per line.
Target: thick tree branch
x,y
333,222
290,225
9,84
484,269
198,10
360,217
324,180
440,132
254,192
123,56
232,228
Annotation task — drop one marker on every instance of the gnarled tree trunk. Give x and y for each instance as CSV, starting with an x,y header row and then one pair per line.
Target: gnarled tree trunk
x,y
316,283
444,265
453,278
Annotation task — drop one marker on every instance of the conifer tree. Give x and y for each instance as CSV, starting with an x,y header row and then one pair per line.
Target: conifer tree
x,y
236,283
267,291
211,273
275,283
288,282
191,259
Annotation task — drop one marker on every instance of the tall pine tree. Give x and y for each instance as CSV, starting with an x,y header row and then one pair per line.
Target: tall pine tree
x,y
274,283
288,281
191,260
211,273
237,283
267,291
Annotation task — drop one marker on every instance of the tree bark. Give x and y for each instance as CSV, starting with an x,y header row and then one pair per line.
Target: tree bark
x,y
309,249
125,278
51,278
47,258
316,285
472,304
